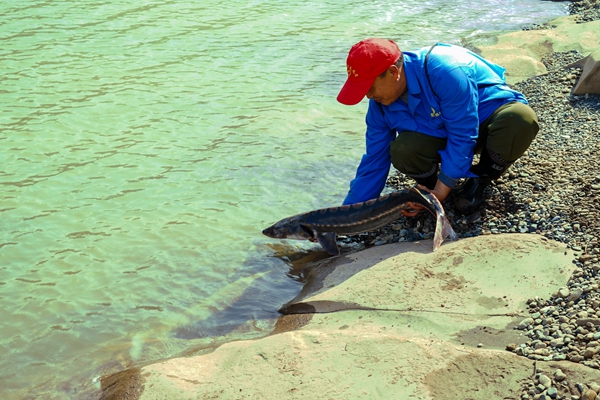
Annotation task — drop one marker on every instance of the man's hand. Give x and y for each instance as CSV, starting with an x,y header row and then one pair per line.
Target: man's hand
x,y
440,191
416,208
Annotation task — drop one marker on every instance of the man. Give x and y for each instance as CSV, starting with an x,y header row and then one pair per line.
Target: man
x,y
429,112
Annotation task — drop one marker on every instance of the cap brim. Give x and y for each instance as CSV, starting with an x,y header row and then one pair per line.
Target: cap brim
x,y
353,92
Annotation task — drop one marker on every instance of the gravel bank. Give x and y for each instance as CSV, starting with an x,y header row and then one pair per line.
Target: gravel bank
x,y
586,10
554,191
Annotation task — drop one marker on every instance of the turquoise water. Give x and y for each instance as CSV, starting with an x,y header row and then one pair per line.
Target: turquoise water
x,y
145,145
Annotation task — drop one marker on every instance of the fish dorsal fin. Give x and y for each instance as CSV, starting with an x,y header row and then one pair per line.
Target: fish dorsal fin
x,y
327,240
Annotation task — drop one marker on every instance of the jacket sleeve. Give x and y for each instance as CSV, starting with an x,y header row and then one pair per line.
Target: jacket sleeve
x,y
374,166
459,101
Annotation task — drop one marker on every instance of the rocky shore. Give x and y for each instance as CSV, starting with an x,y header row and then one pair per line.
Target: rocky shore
x,y
585,10
554,191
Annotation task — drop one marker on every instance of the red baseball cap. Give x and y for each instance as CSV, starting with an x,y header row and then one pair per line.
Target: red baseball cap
x,y
367,60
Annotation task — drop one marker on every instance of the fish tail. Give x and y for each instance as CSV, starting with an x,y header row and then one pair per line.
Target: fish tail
x,y
443,230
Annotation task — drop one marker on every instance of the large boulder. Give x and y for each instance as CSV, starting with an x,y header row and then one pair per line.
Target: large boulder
x,y
589,81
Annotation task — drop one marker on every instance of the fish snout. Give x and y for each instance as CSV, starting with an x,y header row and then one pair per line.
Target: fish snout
x,y
270,232
275,232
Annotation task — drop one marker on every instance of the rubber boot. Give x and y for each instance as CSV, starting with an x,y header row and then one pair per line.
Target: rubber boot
x,y
469,197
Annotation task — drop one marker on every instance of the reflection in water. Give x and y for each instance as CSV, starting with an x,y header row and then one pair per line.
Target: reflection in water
x,y
144,147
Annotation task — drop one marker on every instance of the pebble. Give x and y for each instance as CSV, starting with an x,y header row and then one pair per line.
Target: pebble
x,y
525,323
545,381
589,395
559,376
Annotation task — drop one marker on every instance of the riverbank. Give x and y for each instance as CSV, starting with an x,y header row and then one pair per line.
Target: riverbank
x,y
549,192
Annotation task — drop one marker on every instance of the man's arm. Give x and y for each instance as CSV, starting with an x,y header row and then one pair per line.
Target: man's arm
x,y
374,166
459,104
373,169
441,190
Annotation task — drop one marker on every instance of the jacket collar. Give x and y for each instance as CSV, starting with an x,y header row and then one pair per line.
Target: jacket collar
x,y
413,66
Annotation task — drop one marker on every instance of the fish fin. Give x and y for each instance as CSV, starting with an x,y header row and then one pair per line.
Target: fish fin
x,y
327,240
443,229
447,231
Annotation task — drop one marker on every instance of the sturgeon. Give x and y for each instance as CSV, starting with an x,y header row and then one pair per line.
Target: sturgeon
x,y
325,224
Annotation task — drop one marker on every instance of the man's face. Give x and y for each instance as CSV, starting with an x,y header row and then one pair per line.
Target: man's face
x,y
389,88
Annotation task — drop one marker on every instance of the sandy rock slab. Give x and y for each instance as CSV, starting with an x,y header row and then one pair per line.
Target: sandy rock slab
x,y
486,275
520,52
394,321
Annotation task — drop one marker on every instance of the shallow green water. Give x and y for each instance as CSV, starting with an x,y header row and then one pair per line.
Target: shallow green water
x,y
144,146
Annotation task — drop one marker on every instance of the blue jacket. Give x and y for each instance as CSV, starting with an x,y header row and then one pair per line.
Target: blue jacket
x,y
470,89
